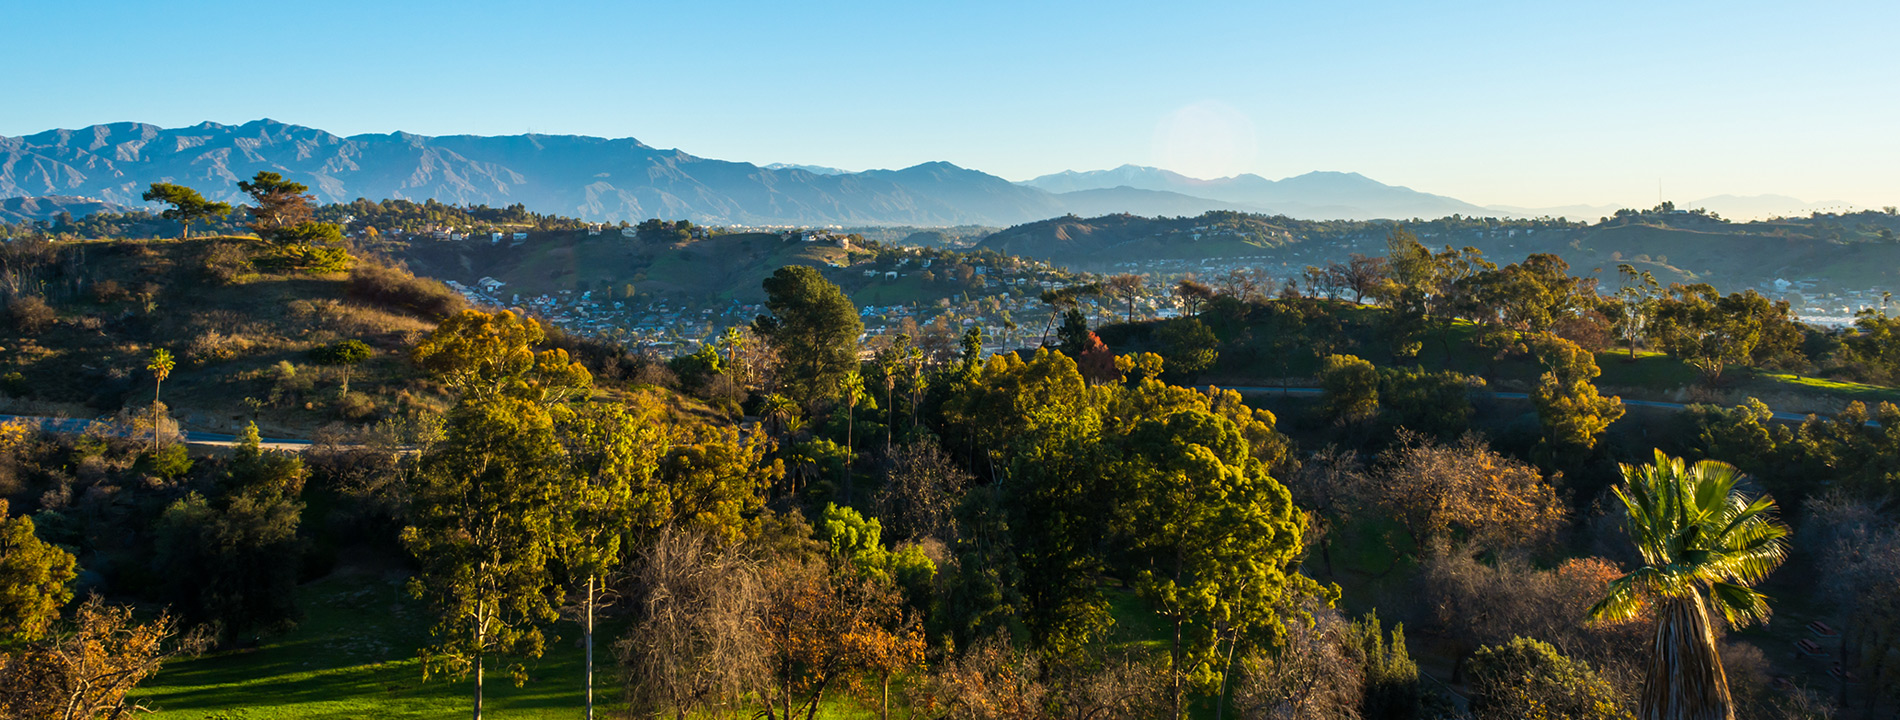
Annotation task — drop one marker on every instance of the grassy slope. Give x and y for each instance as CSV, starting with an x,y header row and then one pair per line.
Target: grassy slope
x,y
1650,376
228,340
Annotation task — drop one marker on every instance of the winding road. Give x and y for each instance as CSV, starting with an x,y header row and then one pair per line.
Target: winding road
x,y
1781,416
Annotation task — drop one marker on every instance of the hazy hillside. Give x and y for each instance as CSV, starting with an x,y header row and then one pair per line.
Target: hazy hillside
x,y
1328,195
1854,252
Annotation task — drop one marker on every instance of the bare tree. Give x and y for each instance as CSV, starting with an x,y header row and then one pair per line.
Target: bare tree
x,y
921,488
1128,287
1433,489
989,681
694,647
1314,674
1475,603
1363,276
1332,484
89,672
1193,294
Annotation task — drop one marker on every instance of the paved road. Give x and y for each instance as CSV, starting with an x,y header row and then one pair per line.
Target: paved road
x,y
75,426
1782,416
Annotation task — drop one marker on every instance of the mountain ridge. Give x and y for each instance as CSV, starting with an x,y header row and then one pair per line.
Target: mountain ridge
x,y
615,179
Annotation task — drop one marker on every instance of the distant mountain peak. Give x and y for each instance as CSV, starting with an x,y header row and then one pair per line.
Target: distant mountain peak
x,y
813,169
616,179
1316,194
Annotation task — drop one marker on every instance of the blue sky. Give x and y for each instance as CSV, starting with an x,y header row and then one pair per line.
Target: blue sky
x,y
1519,103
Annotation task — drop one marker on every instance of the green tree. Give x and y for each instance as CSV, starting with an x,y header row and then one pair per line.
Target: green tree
x,y
1190,347
481,355
1568,406
187,206
346,354
35,579
1435,403
1712,332
611,500
1392,687
1063,299
161,366
1876,342
1216,541
1073,336
482,531
815,329
232,558
276,203
1698,534
697,369
1352,389
486,514
1635,304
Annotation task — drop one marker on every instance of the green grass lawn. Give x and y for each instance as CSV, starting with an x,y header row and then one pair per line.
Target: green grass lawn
x,y
354,656
1785,382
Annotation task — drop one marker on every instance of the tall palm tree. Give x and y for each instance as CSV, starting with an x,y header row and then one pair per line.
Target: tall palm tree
x,y
1698,535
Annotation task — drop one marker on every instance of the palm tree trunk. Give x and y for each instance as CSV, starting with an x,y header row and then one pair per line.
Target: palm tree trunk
x,y
155,390
849,451
1685,681
590,647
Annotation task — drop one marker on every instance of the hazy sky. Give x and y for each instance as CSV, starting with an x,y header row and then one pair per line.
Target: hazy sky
x,y
1519,103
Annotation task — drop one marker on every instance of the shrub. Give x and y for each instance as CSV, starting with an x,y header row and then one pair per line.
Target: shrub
x,y
355,407
169,462
1526,678
309,259
225,263
309,234
214,346
397,288
31,314
109,291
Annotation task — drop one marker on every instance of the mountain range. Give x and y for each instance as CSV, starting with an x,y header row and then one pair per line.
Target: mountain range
x,y
623,179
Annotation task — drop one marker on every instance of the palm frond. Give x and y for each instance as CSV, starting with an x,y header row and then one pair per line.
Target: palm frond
x,y
1623,599
1740,605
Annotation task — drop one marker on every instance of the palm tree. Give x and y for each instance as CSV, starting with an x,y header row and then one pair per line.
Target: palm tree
x,y
853,392
1698,535
161,366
